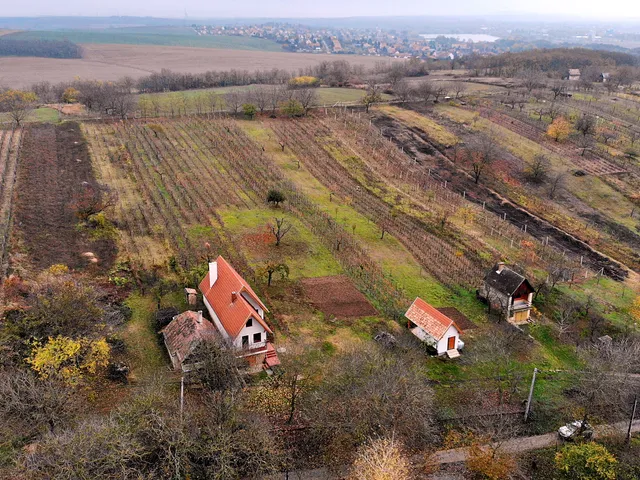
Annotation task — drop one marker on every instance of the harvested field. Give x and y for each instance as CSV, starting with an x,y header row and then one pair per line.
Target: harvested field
x,y
111,62
337,296
54,163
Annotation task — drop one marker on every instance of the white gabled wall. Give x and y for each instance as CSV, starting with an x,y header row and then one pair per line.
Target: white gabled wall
x,y
255,328
452,331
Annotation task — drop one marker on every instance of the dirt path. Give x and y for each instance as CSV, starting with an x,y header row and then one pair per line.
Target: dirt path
x,y
458,455
415,141
525,444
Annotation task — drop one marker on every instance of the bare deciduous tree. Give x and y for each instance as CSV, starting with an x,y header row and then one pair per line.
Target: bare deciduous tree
x,y
280,229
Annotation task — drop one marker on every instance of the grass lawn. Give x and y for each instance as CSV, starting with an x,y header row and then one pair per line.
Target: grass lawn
x,y
146,353
42,114
156,37
303,253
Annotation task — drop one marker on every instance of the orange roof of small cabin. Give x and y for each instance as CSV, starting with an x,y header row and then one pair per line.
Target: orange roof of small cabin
x,y
233,314
429,319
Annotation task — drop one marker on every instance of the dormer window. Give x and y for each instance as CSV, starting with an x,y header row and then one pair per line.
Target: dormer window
x,y
250,322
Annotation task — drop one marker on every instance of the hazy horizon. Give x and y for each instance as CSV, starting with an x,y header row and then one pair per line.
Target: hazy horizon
x,y
580,9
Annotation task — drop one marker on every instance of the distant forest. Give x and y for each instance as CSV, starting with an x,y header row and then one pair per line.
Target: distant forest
x,y
39,48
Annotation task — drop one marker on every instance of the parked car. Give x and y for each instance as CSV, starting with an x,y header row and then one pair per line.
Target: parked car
x,y
572,430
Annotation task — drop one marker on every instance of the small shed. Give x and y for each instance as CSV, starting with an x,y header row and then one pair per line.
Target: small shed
x,y
574,74
434,328
184,334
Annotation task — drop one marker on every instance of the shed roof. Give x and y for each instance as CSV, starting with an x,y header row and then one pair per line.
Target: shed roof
x,y
429,319
185,332
506,281
232,313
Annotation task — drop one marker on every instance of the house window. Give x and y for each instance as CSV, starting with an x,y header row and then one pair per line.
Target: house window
x,y
257,337
245,341
250,322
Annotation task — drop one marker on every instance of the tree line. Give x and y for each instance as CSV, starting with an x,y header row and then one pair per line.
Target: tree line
x,y
552,61
14,47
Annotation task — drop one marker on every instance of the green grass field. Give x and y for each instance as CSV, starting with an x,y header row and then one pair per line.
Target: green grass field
x,y
154,37
300,250
43,114
326,96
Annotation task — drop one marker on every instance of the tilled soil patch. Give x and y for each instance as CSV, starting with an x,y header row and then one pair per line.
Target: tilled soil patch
x,y
337,296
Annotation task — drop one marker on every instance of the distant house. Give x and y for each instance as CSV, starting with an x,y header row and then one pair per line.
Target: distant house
x,y
604,77
183,335
509,292
434,328
238,313
574,74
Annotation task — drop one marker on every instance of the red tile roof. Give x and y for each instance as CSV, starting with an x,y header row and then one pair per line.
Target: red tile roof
x,y
233,314
429,319
184,333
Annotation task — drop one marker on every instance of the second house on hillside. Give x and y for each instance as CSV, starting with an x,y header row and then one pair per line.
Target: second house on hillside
x,y
238,314
434,328
509,292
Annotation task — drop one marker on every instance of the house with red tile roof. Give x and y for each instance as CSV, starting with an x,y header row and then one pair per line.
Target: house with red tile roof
x,y
184,334
434,328
237,313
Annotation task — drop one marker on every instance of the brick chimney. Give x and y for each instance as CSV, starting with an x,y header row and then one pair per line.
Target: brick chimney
x,y
213,273
500,267
234,295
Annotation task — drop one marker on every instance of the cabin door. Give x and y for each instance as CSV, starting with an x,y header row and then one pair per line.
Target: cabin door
x,y
451,343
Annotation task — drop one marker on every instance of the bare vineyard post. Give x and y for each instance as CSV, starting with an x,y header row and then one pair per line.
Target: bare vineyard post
x,y
533,382
633,414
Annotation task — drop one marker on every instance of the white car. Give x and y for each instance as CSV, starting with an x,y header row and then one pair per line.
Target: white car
x,y
570,430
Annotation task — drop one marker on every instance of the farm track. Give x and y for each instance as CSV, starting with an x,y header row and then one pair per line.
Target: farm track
x,y
430,251
413,139
9,154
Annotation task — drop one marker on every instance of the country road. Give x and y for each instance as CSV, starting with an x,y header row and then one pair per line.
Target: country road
x,y
525,444
515,445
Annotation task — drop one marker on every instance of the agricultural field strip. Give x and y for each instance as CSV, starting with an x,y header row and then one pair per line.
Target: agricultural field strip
x,y
185,187
534,133
520,216
596,165
431,251
9,153
383,157
559,153
137,229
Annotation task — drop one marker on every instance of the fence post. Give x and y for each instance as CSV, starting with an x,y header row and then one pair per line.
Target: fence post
x,y
533,382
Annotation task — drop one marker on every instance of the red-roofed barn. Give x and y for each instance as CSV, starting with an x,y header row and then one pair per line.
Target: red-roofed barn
x,y
434,328
237,313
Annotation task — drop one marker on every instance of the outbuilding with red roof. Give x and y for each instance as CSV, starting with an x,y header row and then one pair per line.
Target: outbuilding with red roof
x,y
434,328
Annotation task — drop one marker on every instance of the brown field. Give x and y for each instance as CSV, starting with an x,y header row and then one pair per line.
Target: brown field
x,y
54,166
337,296
111,62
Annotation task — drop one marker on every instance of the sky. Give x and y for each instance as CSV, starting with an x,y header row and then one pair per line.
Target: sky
x,y
598,9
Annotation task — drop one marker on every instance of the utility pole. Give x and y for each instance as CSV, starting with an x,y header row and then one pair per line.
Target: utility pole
x,y
633,414
181,396
533,382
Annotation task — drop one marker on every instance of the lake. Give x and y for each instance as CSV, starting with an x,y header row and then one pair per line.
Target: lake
x,y
474,37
